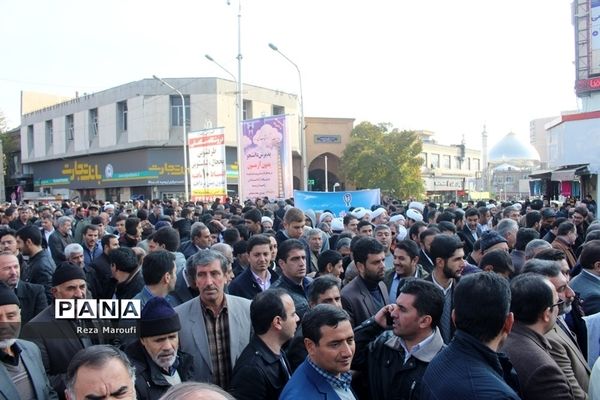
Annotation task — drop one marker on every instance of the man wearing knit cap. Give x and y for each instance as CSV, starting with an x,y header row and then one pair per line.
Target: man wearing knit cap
x,y
158,362
492,240
60,339
22,374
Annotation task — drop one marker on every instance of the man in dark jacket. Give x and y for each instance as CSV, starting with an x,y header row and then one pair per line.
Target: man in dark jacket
x,y
470,367
258,277
31,296
101,265
395,360
262,370
127,273
40,266
158,362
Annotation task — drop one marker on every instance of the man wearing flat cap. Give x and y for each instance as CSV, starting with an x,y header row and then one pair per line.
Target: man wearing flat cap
x,y
58,339
22,374
158,362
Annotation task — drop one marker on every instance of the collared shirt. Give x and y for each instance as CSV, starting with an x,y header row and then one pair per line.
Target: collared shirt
x,y
417,347
264,285
474,233
589,273
445,290
217,333
343,382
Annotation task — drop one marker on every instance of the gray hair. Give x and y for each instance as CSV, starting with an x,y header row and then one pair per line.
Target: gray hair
x,y
73,248
547,268
96,357
223,248
534,246
197,228
185,390
204,257
61,221
507,225
343,242
311,232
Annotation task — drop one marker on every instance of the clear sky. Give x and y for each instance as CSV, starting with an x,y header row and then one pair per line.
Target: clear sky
x,y
445,66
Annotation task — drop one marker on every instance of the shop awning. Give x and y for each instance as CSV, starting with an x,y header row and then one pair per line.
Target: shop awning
x,y
541,173
566,174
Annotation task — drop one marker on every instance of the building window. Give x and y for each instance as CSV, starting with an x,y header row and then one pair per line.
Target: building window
x,y
247,110
30,138
70,126
477,164
177,111
49,132
424,157
435,161
509,179
278,110
446,160
469,164
458,162
122,116
93,118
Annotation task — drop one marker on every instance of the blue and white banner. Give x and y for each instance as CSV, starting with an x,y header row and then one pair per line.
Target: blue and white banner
x,y
336,202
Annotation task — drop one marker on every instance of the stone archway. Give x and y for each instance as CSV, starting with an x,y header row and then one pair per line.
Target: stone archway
x,y
316,172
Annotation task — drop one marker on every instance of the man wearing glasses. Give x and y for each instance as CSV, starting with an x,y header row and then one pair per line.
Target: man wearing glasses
x,y
535,305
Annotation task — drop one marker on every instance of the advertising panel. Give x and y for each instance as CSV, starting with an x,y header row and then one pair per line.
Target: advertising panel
x,y
207,164
337,202
266,165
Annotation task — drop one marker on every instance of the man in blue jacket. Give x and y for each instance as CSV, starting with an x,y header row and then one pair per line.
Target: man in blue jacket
x,y
470,367
325,374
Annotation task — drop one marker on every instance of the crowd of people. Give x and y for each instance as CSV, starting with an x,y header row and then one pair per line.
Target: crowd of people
x,y
263,300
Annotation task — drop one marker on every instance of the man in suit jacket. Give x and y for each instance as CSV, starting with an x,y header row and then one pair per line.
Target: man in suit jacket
x,y
215,327
58,339
564,348
565,238
425,239
587,283
366,294
471,231
325,374
19,356
258,277
535,304
31,296
406,258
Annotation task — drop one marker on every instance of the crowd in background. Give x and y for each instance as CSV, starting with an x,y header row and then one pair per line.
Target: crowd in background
x,y
263,300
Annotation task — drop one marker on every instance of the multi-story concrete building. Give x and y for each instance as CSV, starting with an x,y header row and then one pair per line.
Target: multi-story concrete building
x,y
127,141
449,172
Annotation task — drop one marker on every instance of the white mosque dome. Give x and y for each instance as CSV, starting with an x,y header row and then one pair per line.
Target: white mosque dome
x,y
512,148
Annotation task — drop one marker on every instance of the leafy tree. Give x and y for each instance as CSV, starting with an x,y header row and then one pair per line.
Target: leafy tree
x,y
9,143
380,157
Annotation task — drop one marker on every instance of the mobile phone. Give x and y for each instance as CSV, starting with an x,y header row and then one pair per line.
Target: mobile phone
x,y
389,320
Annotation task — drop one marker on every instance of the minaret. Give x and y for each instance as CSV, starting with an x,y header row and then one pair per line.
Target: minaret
x,y
484,164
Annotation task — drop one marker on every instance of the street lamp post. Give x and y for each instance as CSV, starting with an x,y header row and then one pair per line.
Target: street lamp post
x,y
185,139
238,119
326,177
302,127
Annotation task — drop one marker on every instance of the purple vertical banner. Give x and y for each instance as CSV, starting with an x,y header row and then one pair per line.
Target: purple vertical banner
x,y
266,167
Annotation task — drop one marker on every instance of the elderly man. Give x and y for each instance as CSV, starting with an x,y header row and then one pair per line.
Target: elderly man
x,y
60,339
74,253
59,239
200,239
262,370
22,374
215,326
158,362
100,372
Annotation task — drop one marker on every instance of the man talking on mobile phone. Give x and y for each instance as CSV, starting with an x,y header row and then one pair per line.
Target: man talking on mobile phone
x,y
394,347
